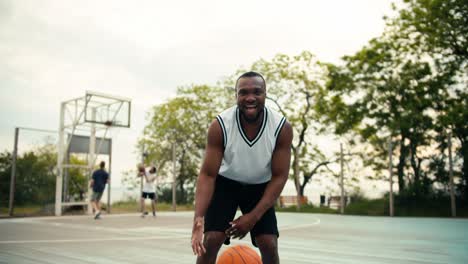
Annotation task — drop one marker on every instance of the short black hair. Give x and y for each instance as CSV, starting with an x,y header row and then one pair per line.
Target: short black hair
x,y
251,74
102,164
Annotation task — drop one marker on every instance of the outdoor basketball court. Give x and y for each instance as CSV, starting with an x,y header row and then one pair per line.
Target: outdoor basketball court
x,y
304,238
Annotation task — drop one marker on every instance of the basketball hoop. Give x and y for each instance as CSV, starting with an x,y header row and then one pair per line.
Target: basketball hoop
x,y
88,114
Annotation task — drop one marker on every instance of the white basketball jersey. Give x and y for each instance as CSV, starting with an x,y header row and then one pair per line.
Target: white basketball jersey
x,y
244,160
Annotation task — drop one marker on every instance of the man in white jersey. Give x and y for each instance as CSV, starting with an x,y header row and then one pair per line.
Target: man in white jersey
x,y
246,165
148,191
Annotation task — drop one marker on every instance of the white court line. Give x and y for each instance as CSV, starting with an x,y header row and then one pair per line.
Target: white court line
x,y
284,228
92,239
291,227
188,214
136,231
38,218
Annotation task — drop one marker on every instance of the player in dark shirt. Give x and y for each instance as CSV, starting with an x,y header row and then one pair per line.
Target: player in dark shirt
x,y
98,183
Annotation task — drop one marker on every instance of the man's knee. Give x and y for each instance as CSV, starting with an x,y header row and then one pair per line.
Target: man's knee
x,y
268,245
212,242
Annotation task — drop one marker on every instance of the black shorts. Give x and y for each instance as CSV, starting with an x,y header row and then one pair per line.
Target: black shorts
x,y
147,195
96,196
227,197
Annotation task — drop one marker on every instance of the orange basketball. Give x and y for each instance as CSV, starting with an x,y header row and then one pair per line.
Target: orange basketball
x,y
239,254
141,167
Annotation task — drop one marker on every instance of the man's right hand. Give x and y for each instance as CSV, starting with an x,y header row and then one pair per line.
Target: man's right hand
x,y
197,236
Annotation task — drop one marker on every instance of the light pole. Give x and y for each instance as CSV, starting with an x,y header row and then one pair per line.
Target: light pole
x,y
452,192
174,177
144,154
390,172
342,201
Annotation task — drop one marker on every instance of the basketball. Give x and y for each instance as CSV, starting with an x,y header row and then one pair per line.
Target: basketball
x,y
141,168
239,254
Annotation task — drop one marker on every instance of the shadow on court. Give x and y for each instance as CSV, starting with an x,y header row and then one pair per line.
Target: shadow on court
x,y
304,238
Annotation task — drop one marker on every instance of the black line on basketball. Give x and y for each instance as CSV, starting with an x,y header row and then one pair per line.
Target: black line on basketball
x,y
232,257
248,253
233,248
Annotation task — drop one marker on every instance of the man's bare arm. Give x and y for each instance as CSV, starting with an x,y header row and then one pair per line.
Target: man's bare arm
x,y
210,168
206,184
280,163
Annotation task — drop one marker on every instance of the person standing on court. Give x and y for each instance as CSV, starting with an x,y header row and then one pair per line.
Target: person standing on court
x,y
98,183
149,191
246,165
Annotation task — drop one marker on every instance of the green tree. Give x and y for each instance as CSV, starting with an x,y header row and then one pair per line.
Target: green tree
x,y
5,175
183,121
408,83
380,93
295,84
78,183
35,178
438,29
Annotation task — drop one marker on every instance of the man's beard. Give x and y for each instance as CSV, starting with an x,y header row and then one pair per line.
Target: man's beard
x,y
254,119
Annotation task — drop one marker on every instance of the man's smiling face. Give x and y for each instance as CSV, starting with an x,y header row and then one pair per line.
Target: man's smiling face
x,y
251,95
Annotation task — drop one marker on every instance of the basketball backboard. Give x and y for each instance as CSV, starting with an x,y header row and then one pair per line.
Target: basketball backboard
x,y
107,110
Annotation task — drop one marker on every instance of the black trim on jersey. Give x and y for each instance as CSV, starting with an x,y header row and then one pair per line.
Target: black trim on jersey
x,y
280,126
259,134
223,128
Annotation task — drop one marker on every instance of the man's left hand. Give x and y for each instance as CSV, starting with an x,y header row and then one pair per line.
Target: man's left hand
x,y
241,226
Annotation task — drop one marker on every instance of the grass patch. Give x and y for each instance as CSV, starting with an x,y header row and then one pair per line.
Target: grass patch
x,y
28,210
407,206
307,209
376,207
134,206
117,208
404,206
428,207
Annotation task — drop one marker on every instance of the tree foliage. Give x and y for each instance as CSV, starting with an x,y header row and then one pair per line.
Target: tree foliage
x,y
401,85
36,176
408,85
182,121
295,87
440,31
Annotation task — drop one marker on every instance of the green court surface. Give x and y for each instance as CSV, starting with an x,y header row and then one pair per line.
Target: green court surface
x,y
304,238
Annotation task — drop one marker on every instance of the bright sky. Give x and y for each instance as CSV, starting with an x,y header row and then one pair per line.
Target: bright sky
x,y
52,51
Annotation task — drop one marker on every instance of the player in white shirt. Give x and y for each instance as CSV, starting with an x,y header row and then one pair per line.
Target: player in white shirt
x,y
246,165
149,189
